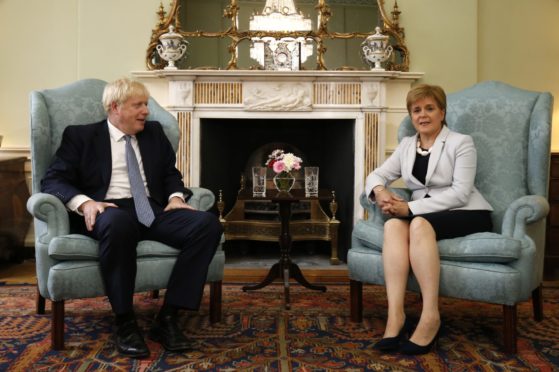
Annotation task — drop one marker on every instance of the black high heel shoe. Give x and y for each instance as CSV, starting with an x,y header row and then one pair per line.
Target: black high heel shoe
x,y
411,348
389,344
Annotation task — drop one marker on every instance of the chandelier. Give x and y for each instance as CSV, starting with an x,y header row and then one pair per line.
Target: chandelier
x,y
285,53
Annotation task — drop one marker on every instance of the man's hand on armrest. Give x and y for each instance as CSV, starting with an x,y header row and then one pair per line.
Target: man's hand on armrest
x,y
177,202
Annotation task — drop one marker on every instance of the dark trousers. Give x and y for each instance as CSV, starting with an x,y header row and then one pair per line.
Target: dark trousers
x,y
195,233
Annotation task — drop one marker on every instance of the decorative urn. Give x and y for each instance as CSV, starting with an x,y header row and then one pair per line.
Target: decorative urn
x,y
375,50
172,47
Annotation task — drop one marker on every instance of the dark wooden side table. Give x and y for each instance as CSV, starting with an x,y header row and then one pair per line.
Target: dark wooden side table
x,y
285,268
551,263
14,218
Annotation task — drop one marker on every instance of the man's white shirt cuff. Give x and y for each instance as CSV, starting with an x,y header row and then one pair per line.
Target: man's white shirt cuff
x,y
75,203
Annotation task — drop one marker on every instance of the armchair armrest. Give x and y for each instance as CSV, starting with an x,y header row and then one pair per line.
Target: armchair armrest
x,y
523,211
201,199
520,222
50,210
51,220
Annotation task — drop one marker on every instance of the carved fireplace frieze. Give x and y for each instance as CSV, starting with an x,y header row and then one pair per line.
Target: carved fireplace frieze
x,y
277,96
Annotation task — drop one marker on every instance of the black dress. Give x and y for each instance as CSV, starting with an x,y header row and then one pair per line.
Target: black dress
x,y
450,223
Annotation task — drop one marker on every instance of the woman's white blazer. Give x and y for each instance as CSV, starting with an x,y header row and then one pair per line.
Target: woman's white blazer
x,y
450,174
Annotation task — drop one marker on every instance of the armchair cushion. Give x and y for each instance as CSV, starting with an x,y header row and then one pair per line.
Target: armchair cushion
x,y
481,247
80,247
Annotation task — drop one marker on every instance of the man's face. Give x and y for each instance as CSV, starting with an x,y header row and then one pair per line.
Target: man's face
x,y
130,116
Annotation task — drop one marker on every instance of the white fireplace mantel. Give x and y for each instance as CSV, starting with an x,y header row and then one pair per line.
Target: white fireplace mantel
x,y
375,100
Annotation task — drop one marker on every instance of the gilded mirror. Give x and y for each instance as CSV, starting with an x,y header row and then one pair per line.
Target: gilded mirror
x,y
219,36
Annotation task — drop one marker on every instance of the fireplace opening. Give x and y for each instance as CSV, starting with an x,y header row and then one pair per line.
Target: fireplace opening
x,y
227,144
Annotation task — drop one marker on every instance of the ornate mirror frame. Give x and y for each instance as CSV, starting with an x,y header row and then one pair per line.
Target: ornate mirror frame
x,y
390,27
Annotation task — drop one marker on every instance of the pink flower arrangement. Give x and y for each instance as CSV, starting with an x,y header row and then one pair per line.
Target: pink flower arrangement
x,y
281,161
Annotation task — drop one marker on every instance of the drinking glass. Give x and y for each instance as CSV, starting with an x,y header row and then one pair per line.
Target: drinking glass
x,y
259,181
311,181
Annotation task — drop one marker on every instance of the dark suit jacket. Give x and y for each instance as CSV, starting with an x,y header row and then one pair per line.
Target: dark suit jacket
x,y
83,164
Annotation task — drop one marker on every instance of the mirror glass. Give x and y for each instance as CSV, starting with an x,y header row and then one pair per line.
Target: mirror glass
x,y
211,35
349,16
204,15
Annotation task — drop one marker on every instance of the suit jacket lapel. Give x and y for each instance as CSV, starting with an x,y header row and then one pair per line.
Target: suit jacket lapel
x,y
103,149
410,160
438,147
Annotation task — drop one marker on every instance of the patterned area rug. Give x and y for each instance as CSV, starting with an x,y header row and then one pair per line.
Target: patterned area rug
x,y
256,334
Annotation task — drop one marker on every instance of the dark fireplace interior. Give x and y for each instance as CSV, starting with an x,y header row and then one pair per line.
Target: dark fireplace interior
x,y
227,146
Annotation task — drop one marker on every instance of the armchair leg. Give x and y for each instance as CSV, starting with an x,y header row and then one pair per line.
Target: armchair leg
x,y
39,303
356,300
537,303
509,330
215,301
57,331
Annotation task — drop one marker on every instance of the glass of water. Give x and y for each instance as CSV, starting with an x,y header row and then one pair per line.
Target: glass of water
x,y
259,181
311,181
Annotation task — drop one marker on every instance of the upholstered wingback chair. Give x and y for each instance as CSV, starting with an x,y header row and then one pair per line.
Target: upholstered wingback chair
x,y
511,130
67,264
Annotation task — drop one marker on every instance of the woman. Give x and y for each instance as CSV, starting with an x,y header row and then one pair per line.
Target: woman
x,y
438,166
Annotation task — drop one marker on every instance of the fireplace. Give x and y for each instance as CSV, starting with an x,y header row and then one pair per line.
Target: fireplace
x,y
227,144
340,119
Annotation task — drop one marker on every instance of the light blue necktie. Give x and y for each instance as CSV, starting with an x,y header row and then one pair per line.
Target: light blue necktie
x,y
141,202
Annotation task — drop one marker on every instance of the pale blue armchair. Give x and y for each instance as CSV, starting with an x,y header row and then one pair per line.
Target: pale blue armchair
x,y
511,129
67,264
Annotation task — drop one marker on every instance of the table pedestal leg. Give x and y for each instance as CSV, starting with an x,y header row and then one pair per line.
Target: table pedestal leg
x,y
275,272
285,269
297,274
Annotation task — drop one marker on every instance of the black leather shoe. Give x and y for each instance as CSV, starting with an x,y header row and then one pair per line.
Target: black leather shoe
x,y
166,331
391,344
129,340
411,348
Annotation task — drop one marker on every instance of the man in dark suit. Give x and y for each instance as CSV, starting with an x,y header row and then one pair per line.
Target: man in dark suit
x,y
119,181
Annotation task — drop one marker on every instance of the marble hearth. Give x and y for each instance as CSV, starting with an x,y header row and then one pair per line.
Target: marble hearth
x,y
373,101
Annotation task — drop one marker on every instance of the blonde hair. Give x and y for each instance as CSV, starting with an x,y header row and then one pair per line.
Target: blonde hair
x,y
422,91
119,91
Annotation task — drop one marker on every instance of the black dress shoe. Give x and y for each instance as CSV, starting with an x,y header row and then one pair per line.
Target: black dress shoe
x,y
166,331
129,340
411,348
391,344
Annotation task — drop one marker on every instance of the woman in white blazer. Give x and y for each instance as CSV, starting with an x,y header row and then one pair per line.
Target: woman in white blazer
x,y
439,167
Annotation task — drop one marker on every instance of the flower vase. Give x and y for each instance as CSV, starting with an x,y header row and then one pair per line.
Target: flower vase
x,y
284,181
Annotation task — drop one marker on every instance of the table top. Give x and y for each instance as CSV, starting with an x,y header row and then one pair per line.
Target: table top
x,y
295,195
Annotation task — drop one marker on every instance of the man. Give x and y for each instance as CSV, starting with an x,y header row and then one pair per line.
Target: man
x,y
119,181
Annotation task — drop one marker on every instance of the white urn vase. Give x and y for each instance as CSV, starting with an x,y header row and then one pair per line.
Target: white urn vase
x,y
375,50
172,47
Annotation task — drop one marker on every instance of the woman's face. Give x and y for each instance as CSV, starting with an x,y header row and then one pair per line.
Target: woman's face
x,y
427,117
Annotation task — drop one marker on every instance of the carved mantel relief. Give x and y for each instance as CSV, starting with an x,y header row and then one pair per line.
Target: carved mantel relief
x,y
371,94
180,93
277,96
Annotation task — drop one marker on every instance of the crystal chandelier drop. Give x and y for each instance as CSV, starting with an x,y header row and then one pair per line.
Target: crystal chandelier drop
x,y
286,53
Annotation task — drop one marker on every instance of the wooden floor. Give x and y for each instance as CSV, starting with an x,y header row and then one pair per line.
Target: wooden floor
x,y
25,273
11,273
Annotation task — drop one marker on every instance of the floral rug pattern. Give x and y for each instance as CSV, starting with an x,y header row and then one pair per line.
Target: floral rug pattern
x,y
257,334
